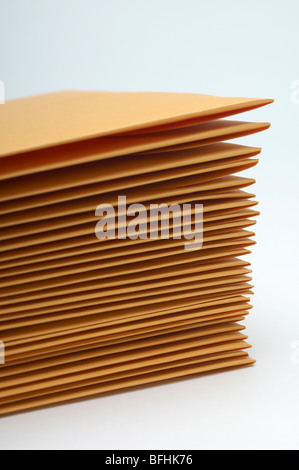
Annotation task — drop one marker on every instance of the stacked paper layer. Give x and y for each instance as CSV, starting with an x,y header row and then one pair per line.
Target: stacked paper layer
x,y
81,317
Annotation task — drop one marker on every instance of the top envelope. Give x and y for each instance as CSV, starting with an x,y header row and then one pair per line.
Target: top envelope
x,y
49,120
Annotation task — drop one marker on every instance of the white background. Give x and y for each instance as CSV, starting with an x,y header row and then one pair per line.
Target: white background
x,y
231,48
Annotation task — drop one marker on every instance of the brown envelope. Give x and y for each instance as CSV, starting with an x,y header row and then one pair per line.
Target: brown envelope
x,y
81,317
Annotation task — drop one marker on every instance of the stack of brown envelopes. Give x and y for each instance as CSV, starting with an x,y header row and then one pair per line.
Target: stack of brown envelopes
x,y
82,313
